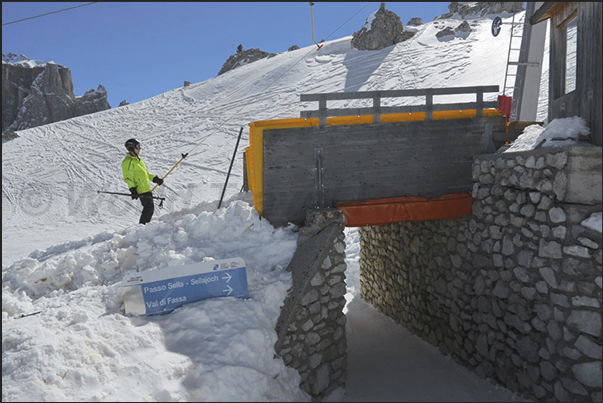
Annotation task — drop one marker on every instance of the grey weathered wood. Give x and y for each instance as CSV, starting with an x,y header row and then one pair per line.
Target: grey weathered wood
x,y
377,110
589,71
586,100
459,106
363,162
319,200
398,93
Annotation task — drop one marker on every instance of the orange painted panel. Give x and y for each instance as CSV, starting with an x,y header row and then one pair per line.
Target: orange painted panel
x,y
398,209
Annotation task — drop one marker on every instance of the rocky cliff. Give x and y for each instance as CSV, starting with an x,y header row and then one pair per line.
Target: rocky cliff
x,y
37,93
243,57
382,29
481,8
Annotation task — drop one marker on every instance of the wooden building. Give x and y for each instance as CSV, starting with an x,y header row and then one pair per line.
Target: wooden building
x,y
575,72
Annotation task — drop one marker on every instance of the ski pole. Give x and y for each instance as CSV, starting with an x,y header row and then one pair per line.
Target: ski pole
x,y
183,157
128,194
229,169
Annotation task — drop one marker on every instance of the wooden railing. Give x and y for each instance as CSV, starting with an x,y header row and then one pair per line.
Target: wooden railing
x,y
377,110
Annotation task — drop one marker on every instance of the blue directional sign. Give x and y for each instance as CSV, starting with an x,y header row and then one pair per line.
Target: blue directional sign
x,y
496,24
161,291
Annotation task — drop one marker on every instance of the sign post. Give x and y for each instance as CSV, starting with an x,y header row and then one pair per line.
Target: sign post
x,y
496,26
161,291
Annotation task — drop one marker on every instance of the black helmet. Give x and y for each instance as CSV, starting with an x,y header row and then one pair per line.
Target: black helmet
x,y
132,144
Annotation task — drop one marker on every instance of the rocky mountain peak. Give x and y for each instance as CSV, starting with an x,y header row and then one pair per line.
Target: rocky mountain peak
x,y
36,93
13,58
481,8
383,28
243,57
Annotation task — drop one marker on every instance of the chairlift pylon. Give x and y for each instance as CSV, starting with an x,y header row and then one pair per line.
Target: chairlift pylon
x,y
312,19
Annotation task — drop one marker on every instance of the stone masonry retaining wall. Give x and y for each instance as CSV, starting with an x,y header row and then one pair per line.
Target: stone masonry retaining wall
x,y
311,327
512,291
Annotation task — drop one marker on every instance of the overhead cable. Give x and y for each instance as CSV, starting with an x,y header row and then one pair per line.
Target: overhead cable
x,y
54,12
275,80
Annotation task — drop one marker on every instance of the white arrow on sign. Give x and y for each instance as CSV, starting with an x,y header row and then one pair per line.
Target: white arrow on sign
x,y
229,289
228,277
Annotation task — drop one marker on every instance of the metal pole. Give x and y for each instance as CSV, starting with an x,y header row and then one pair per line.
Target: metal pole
x,y
126,194
312,18
231,162
183,157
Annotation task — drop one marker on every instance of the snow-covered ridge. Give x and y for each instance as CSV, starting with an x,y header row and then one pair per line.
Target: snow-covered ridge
x,y
23,61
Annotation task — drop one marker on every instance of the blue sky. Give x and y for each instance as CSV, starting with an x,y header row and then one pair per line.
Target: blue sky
x,y
137,50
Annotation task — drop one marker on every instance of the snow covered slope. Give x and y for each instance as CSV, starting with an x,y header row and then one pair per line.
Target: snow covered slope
x,y
51,174
65,247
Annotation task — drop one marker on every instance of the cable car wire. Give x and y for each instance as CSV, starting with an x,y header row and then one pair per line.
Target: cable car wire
x,y
54,12
271,83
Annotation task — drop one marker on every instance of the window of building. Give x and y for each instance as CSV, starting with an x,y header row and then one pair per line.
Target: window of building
x,y
570,56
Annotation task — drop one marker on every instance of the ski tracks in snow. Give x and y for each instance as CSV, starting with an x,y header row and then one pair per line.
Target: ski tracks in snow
x,y
204,119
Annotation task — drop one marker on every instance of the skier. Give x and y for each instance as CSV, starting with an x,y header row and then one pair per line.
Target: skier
x,y
137,177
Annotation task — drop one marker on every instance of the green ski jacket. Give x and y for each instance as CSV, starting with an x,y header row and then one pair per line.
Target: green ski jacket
x,y
136,174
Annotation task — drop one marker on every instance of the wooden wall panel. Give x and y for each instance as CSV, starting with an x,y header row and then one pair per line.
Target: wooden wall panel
x,y
587,99
363,162
589,74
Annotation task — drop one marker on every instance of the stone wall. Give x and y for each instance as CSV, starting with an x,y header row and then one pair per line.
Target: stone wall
x,y
311,327
512,291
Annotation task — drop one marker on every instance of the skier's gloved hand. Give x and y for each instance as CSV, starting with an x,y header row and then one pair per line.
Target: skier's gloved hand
x,y
158,180
134,193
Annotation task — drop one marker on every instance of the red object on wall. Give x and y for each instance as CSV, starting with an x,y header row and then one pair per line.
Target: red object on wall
x,y
504,105
398,209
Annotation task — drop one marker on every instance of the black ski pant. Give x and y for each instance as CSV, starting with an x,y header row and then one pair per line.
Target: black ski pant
x,y
148,207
